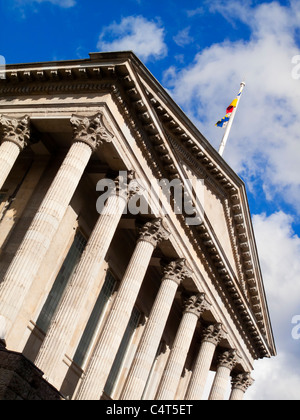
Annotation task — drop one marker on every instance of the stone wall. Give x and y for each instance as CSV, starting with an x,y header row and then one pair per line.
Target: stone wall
x,y
21,380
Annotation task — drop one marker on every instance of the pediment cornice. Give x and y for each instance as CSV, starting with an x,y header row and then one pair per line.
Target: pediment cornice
x,y
158,130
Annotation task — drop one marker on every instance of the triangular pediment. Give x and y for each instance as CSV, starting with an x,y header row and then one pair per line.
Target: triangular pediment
x,y
213,206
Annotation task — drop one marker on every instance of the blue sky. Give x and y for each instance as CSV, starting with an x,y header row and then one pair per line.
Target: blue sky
x,y
200,51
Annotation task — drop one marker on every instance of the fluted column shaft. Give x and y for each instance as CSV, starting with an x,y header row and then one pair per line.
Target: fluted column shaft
x,y
194,306
237,394
116,323
38,238
227,361
171,376
9,153
220,384
85,277
212,337
15,135
145,355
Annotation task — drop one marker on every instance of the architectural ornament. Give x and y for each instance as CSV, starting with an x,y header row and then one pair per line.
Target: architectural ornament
x,y
177,271
127,186
15,130
242,381
91,130
154,232
196,304
213,334
228,359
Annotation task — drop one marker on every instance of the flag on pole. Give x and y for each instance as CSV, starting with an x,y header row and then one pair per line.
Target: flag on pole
x,y
224,121
227,121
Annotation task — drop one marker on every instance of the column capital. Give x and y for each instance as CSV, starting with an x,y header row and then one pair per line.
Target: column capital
x,y
242,381
154,232
177,271
134,187
126,185
15,130
91,130
195,304
228,359
213,334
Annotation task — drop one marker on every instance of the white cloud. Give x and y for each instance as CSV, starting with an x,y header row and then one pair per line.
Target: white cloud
x,y
183,37
265,139
276,379
279,248
195,12
143,37
279,251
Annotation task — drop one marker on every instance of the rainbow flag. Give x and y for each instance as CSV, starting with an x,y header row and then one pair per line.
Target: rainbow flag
x,y
224,121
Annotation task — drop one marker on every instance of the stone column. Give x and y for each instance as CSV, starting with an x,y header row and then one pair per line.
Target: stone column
x,y
83,281
211,338
15,134
174,274
227,362
194,306
89,133
240,384
116,323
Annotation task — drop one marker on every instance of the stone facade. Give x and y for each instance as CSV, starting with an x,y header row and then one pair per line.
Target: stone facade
x,y
110,291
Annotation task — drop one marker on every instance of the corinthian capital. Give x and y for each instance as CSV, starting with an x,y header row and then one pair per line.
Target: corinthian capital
x,y
177,271
242,381
154,232
195,304
228,359
127,186
134,187
15,130
91,130
213,334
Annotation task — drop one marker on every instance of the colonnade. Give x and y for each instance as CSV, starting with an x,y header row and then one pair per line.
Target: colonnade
x,y
89,134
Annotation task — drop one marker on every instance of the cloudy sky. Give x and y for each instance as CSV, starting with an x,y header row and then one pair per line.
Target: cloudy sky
x,y
200,51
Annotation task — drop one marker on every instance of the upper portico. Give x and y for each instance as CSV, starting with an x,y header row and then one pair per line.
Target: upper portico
x,y
148,132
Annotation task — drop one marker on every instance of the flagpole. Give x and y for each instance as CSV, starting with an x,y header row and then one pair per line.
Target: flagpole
x,y
228,128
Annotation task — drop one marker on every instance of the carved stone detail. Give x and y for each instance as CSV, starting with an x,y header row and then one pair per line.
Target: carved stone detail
x,y
214,334
177,271
154,232
91,130
242,381
15,130
196,304
134,187
228,359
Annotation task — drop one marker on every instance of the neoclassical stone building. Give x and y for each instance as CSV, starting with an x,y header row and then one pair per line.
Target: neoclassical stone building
x,y
128,262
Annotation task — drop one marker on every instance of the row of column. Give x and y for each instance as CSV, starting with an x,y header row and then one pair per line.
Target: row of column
x,y
89,134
